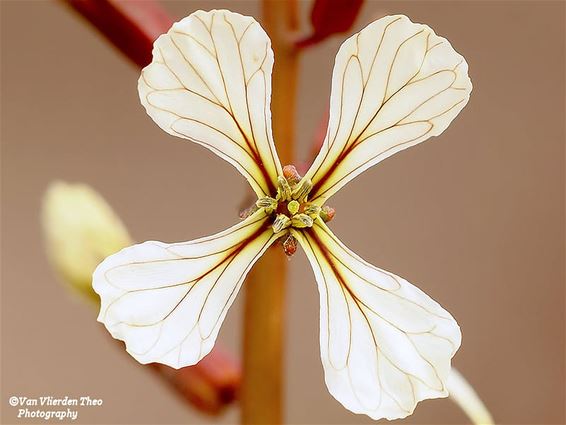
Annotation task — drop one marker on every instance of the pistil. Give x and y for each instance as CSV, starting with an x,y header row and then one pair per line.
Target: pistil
x,y
290,206
293,207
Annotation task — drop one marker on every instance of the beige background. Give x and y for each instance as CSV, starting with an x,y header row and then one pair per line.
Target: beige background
x,y
474,217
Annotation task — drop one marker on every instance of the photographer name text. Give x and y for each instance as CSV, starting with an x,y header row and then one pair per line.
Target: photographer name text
x,y
45,407
54,401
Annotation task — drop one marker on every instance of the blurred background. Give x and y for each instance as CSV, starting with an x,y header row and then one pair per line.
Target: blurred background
x,y
474,217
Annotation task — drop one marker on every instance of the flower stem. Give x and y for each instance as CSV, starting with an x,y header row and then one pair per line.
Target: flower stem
x,y
130,26
262,386
464,395
280,20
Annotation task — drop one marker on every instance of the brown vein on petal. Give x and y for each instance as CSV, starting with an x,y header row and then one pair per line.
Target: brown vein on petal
x,y
226,304
252,149
225,263
362,307
349,144
365,263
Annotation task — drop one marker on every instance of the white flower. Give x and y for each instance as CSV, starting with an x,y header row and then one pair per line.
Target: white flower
x,y
385,345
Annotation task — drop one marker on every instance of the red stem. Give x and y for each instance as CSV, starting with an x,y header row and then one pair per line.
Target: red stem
x,y
131,26
209,386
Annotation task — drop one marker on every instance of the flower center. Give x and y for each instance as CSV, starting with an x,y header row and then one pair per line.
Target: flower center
x,y
290,207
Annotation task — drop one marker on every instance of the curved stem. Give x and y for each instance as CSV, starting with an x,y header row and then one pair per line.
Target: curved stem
x,y
130,26
464,395
264,331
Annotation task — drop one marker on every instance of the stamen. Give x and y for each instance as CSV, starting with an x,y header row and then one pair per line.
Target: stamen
x,y
301,191
312,210
268,203
291,174
290,245
283,190
280,223
327,213
300,221
248,212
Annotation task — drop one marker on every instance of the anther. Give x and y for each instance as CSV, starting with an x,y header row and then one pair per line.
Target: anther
x,y
248,212
301,191
327,213
312,210
300,221
291,174
268,203
290,245
280,223
283,190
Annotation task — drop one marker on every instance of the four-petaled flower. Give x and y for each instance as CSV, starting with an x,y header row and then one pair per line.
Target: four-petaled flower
x,y
385,345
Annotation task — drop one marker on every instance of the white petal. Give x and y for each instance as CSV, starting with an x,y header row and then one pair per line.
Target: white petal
x,y
167,301
395,84
210,82
385,345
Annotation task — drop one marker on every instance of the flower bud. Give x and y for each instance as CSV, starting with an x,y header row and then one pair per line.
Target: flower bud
x,y
330,17
247,212
80,230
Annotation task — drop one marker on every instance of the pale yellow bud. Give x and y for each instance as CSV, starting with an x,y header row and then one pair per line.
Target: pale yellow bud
x,y
80,230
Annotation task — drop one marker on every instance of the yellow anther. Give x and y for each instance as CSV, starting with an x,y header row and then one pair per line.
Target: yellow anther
x,y
312,210
283,190
268,203
301,191
300,221
293,207
281,222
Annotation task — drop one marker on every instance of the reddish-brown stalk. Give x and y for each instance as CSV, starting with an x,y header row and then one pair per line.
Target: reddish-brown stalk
x,y
264,316
131,26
